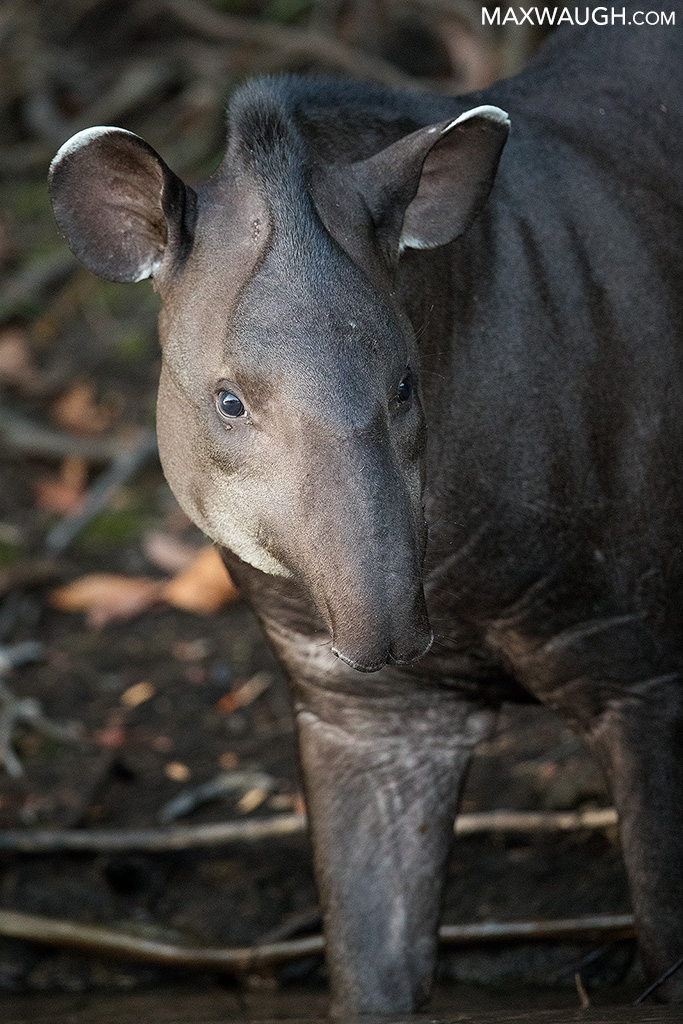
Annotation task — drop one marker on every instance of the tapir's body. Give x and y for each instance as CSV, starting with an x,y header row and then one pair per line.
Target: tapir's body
x,y
545,449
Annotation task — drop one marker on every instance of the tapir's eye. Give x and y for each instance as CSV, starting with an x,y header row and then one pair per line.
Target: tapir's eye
x,y
229,405
405,388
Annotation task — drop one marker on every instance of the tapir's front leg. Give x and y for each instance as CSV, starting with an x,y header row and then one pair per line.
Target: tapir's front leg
x,y
383,775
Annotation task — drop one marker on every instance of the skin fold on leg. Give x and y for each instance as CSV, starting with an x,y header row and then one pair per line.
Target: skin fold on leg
x,y
383,779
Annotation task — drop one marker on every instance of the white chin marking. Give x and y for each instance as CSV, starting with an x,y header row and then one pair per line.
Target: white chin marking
x,y
228,534
242,545
262,560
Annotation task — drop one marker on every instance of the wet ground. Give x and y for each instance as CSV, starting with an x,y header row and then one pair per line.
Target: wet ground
x,y
465,1007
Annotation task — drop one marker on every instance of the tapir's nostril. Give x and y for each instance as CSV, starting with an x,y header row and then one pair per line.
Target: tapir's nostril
x,y
373,666
410,656
399,654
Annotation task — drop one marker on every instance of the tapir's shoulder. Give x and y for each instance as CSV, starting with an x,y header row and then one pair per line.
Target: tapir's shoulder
x,y
580,74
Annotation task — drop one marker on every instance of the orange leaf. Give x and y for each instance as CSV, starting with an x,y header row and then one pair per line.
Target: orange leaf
x,y
78,411
62,493
105,597
17,365
55,495
167,552
244,694
111,738
204,586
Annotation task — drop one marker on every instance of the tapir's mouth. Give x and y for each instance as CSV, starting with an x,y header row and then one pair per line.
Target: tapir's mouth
x,y
389,658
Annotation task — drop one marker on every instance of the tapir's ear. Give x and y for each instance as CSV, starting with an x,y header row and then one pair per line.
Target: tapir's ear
x,y
426,189
118,204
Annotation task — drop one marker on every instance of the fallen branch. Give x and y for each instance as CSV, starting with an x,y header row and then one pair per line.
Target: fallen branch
x,y
186,837
244,959
593,928
534,821
151,840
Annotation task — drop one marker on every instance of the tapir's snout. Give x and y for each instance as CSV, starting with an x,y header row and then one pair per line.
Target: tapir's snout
x,y
405,636
373,604
362,557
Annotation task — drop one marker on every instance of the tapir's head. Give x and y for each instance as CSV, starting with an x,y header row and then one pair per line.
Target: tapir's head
x,y
289,417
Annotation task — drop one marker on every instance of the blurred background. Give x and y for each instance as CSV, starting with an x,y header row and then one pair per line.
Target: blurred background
x,y
136,691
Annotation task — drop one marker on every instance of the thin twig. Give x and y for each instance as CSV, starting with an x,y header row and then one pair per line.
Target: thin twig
x,y
467,11
584,1001
151,840
238,960
660,981
222,785
22,438
186,837
25,711
123,466
298,44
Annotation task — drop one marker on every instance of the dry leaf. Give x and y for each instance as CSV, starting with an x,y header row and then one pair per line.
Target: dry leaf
x,y
252,799
17,366
162,744
62,493
167,553
54,495
105,597
191,650
177,771
78,411
137,694
244,694
111,738
204,587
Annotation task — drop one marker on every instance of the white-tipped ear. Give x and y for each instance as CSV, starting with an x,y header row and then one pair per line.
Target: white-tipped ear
x,y
426,189
118,204
486,110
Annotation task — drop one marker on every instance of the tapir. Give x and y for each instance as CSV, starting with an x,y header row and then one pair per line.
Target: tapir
x,y
422,383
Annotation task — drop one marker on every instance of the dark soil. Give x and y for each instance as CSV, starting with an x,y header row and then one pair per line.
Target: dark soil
x,y
236,896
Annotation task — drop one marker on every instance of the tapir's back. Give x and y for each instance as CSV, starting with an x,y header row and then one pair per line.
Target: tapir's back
x,y
557,442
